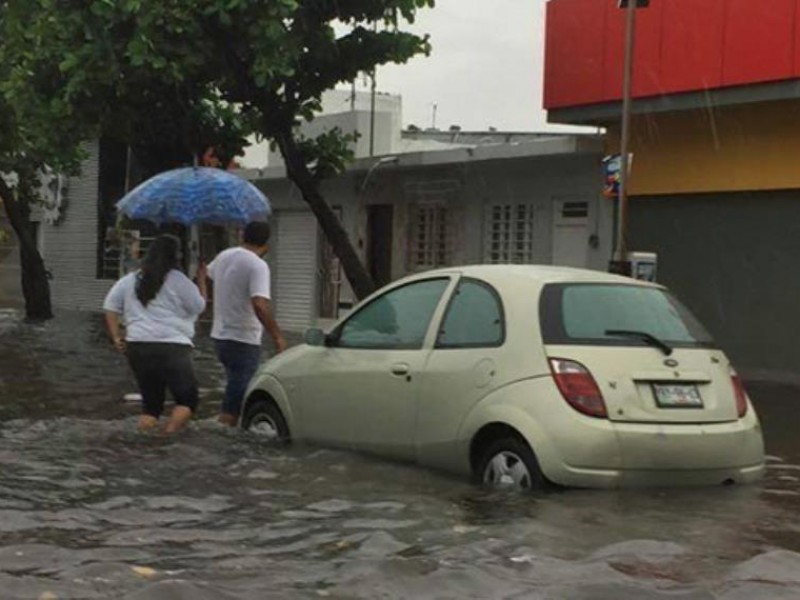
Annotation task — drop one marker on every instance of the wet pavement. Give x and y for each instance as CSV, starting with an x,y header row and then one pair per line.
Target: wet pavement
x,y
91,509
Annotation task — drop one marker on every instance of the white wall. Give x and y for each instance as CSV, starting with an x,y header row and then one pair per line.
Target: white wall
x,y
350,114
69,249
540,181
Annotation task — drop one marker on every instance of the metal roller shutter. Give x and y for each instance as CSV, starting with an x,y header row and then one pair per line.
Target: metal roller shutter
x,y
294,265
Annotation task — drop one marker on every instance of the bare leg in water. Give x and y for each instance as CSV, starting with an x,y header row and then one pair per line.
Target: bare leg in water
x,y
178,419
147,422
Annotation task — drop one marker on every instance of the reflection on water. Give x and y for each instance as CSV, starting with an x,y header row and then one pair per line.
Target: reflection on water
x,y
91,509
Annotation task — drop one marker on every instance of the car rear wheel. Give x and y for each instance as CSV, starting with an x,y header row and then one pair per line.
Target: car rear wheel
x,y
264,418
510,464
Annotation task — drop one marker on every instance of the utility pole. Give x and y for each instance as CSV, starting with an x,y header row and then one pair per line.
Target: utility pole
x,y
372,104
372,115
627,84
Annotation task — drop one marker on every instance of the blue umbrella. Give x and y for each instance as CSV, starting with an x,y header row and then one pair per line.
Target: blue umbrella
x,y
195,195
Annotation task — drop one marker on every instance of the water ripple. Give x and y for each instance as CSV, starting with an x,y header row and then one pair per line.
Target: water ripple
x,y
91,509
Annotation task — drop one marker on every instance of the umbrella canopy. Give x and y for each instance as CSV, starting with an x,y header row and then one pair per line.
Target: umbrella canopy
x,y
195,195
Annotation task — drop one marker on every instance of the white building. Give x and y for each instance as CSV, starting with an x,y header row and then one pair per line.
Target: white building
x,y
536,201
411,200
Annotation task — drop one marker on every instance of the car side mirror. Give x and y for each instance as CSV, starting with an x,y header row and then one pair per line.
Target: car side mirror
x,y
315,337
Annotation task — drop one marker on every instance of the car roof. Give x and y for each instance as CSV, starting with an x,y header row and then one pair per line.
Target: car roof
x,y
540,274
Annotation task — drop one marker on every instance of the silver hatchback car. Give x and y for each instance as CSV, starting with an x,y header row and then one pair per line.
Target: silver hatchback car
x,y
519,376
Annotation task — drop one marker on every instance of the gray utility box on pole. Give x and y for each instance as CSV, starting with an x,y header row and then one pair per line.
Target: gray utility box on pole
x,y
644,265
638,265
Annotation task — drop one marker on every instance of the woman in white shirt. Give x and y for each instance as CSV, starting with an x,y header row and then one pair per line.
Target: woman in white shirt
x,y
159,306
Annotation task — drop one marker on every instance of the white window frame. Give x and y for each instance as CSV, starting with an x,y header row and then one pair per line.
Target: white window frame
x,y
509,233
433,220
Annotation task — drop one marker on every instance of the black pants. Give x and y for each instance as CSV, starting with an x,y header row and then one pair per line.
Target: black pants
x,y
158,367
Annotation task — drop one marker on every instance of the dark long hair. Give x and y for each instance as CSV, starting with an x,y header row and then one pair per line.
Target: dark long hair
x,y
163,256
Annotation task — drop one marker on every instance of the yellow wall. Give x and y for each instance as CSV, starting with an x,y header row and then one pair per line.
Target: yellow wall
x,y
734,148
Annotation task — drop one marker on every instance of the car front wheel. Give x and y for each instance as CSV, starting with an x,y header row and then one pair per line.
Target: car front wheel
x,y
509,464
264,418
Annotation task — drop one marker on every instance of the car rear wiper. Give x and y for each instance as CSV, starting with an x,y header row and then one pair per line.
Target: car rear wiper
x,y
644,336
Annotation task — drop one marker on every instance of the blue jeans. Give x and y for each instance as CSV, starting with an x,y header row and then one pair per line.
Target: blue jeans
x,y
241,362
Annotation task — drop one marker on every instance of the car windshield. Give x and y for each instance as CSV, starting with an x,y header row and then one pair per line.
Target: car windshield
x,y
613,314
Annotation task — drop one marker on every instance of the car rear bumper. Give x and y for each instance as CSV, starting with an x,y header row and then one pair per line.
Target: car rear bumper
x,y
603,478
677,455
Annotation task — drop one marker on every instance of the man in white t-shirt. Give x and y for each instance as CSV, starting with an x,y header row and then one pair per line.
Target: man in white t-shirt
x,y
242,310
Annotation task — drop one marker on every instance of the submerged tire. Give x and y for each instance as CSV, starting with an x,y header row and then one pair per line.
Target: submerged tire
x,y
509,464
264,418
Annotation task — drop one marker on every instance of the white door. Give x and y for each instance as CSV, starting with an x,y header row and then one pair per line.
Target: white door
x,y
570,233
294,265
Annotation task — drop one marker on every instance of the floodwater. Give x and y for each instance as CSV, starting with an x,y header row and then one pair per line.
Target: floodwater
x,y
91,509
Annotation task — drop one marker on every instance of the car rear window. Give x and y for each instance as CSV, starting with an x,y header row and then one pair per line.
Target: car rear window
x,y
583,313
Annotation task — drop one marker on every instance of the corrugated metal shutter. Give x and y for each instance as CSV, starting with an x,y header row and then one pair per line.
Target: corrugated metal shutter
x,y
294,265
70,248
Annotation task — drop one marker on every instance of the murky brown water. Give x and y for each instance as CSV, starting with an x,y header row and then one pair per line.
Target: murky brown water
x,y
90,509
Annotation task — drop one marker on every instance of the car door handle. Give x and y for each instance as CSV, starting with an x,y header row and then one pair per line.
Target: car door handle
x,y
400,369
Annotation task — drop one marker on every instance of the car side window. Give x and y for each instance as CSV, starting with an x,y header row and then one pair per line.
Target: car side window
x,y
474,318
397,320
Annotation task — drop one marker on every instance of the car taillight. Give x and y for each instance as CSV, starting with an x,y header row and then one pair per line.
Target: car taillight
x,y
741,395
578,387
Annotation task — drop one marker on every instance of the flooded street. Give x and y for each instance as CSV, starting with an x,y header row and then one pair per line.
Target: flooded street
x,y
91,509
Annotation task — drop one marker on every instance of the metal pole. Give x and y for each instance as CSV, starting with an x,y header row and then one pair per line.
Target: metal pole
x,y
194,237
622,216
372,104
372,116
128,166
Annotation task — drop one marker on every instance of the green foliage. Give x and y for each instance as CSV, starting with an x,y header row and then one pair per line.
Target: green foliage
x,y
327,154
187,74
18,153
190,72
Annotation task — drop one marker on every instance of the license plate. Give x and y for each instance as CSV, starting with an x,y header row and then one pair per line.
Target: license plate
x,y
677,395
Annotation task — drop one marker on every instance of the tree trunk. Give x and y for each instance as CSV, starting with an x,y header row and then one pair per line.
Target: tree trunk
x,y
358,276
35,286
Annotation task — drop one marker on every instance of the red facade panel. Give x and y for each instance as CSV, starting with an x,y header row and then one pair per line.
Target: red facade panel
x,y
759,41
797,39
693,35
574,52
647,63
681,46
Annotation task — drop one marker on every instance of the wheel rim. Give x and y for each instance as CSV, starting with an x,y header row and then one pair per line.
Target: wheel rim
x,y
263,425
507,470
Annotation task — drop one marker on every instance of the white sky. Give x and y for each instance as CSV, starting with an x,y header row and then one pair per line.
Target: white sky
x,y
485,68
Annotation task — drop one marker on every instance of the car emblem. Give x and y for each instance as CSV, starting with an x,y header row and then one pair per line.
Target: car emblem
x,y
670,362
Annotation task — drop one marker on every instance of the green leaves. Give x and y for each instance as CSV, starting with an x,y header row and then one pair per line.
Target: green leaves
x,y
187,72
69,62
328,154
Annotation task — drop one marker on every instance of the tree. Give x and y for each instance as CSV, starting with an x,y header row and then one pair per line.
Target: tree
x,y
24,157
17,194
270,60
45,115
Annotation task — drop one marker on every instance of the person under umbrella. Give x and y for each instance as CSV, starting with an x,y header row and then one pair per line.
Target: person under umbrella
x,y
159,305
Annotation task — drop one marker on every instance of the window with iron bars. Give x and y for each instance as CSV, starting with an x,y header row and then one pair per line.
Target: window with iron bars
x,y
431,237
123,252
509,234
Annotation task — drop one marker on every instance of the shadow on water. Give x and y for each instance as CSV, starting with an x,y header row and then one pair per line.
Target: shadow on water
x,y
91,509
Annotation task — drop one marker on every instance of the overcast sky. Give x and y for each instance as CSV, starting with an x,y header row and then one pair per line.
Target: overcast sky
x,y
485,68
